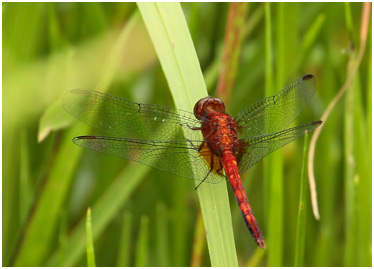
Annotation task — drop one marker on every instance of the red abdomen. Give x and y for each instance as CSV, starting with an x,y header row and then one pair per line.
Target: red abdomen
x,y
221,137
231,169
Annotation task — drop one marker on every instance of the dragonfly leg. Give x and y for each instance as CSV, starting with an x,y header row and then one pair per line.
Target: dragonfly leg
x,y
220,172
211,169
193,128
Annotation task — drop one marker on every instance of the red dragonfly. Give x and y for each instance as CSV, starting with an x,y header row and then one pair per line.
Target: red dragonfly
x,y
170,139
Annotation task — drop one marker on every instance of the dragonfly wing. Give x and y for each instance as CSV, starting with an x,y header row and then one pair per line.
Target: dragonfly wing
x,y
275,113
256,148
181,158
122,118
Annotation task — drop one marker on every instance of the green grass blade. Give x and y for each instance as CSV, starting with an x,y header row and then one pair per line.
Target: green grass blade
x,y
34,248
369,94
312,33
25,183
301,219
363,157
141,255
269,85
162,249
124,252
199,242
256,258
362,178
269,72
349,22
350,186
54,118
272,167
366,186
90,246
356,166
170,36
169,33
103,211
55,36
36,240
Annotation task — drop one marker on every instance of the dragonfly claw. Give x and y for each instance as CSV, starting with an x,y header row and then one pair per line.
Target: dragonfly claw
x,y
261,243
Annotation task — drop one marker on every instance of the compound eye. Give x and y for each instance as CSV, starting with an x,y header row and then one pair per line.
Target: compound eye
x,y
218,105
200,107
207,104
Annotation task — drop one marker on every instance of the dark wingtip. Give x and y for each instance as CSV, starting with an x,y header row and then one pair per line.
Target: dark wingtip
x,y
261,243
85,137
307,77
318,122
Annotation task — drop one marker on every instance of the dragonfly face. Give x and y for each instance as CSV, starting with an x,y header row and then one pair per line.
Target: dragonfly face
x,y
208,104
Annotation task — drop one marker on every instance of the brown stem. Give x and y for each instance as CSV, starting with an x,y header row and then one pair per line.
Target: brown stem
x,y
233,38
352,66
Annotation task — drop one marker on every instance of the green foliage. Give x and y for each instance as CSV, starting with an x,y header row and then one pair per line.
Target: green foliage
x,y
50,48
174,47
90,246
301,218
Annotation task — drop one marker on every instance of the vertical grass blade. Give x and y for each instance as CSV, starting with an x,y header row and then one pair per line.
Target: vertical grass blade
x,y
363,156
25,184
269,85
350,188
89,241
162,245
34,248
366,186
269,77
141,255
103,211
301,219
198,242
169,33
312,33
123,259
256,258
21,34
36,241
272,166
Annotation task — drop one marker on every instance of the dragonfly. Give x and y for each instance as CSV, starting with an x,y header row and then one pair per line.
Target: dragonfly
x,y
207,145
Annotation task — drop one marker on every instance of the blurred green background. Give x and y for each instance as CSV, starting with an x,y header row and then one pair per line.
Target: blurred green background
x,y
144,217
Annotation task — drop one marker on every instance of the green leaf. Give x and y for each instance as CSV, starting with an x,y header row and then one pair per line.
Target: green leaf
x,y
141,255
273,172
34,248
162,249
301,219
168,30
54,118
90,246
124,251
36,240
103,211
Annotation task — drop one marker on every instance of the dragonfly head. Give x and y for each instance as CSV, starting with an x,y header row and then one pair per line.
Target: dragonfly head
x,y
208,104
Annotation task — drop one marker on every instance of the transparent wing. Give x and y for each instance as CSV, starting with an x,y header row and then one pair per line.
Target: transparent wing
x,y
275,113
254,149
181,158
122,118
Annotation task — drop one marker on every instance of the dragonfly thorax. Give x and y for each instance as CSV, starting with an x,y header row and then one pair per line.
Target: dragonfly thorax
x,y
219,131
